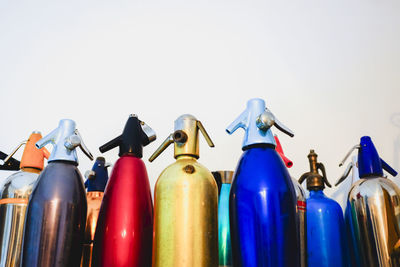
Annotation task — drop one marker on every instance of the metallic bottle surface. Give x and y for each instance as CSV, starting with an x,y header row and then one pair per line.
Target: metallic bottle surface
x,y
224,234
94,199
124,229
373,211
14,195
301,209
96,182
326,232
301,206
12,216
56,217
263,212
262,201
186,204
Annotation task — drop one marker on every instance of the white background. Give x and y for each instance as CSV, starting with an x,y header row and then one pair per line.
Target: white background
x,y
329,70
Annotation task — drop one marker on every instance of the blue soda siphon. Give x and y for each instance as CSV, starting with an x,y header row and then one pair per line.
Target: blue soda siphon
x,y
262,199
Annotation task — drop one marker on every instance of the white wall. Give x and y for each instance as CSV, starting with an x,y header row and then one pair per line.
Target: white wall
x,y
328,69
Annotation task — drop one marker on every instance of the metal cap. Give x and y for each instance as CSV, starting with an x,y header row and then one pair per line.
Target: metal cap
x,y
97,178
185,138
315,181
369,162
257,120
65,139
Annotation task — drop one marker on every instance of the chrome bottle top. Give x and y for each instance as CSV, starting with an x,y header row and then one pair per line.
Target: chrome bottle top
x,y
65,139
257,120
18,185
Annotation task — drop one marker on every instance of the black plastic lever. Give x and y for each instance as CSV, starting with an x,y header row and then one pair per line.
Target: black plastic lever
x,y
11,165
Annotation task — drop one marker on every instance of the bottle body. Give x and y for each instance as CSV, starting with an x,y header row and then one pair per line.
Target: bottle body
x,y
374,221
124,228
301,208
263,211
186,216
56,218
224,234
94,199
326,232
355,259
13,205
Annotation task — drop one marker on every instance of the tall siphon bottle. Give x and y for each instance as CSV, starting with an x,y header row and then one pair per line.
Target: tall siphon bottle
x,y
326,232
301,206
125,225
262,199
185,203
224,233
56,216
14,196
373,210
96,183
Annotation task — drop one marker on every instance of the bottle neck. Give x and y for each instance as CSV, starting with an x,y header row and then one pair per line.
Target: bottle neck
x,y
317,193
95,194
183,157
372,176
259,145
32,170
130,155
64,161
